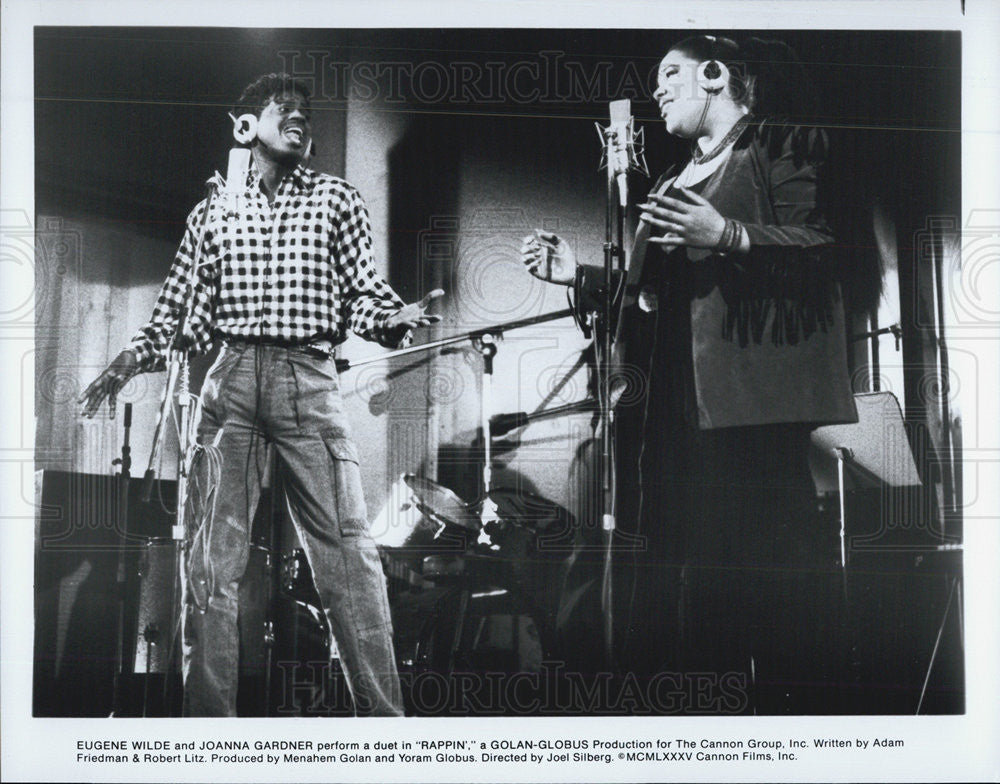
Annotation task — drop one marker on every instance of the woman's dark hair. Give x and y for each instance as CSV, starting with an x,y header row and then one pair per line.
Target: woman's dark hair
x,y
764,76
260,91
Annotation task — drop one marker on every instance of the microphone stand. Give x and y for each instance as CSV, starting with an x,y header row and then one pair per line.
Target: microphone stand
x,y
178,385
614,228
124,475
623,150
485,341
496,330
487,347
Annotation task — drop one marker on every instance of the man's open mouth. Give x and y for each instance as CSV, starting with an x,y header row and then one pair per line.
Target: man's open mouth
x,y
295,133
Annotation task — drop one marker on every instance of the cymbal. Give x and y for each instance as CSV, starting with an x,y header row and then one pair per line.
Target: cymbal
x,y
440,502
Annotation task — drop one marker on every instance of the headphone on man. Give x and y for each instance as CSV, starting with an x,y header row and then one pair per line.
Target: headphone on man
x,y
712,77
245,131
244,128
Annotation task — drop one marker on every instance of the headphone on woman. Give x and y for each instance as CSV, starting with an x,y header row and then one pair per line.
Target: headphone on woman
x,y
712,76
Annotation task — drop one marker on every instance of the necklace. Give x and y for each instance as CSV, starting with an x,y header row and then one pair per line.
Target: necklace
x,y
725,141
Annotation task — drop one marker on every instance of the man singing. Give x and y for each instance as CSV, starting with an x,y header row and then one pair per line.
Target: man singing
x,y
285,270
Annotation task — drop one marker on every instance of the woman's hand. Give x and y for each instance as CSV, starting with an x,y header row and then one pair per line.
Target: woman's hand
x,y
549,258
693,222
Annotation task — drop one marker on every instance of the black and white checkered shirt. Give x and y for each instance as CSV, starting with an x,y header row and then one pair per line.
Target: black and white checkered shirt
x,y
297,271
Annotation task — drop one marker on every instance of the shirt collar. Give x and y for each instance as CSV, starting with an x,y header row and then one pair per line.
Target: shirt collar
x,y
298,177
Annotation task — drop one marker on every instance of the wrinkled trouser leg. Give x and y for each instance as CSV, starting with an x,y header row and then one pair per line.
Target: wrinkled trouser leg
x,y
327,505
217,560
325,500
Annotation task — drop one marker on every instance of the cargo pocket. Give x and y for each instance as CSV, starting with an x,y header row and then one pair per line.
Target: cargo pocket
x,y
352,514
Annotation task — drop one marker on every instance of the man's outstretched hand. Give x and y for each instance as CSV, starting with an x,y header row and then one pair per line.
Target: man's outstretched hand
x,y
109,383
414,315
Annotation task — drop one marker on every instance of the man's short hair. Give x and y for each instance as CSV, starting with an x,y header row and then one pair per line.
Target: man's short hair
x,y
261,90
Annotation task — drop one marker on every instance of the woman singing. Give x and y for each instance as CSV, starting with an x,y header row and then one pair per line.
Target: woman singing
x,y
733,317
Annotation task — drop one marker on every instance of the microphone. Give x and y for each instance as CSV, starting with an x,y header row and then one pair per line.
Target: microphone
x,y
502,424
236,173
619,140
244,132
147,486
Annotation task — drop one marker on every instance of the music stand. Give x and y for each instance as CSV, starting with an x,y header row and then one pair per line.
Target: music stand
x,y
871,453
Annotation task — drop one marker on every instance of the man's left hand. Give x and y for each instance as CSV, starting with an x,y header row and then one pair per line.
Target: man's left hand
x,y
693,221
415,314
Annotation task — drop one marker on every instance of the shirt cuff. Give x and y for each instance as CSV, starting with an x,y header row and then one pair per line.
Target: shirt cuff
x,y
146,356
391,339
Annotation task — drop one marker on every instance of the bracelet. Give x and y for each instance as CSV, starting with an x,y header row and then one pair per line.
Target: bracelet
x,y
725,238
734,240
738,231
730,239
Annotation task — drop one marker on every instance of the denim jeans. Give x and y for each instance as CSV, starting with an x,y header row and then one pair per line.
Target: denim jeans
x,y
290,397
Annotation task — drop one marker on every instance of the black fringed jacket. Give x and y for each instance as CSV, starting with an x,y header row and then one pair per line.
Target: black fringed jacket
x,y
767,327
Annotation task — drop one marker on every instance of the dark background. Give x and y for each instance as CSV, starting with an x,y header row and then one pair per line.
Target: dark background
x,y
133,118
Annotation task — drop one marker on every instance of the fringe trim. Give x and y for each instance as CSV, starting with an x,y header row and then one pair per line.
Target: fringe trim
x,y
800,295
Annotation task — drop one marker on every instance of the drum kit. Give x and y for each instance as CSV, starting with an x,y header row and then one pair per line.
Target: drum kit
x,y
475,587
468,598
